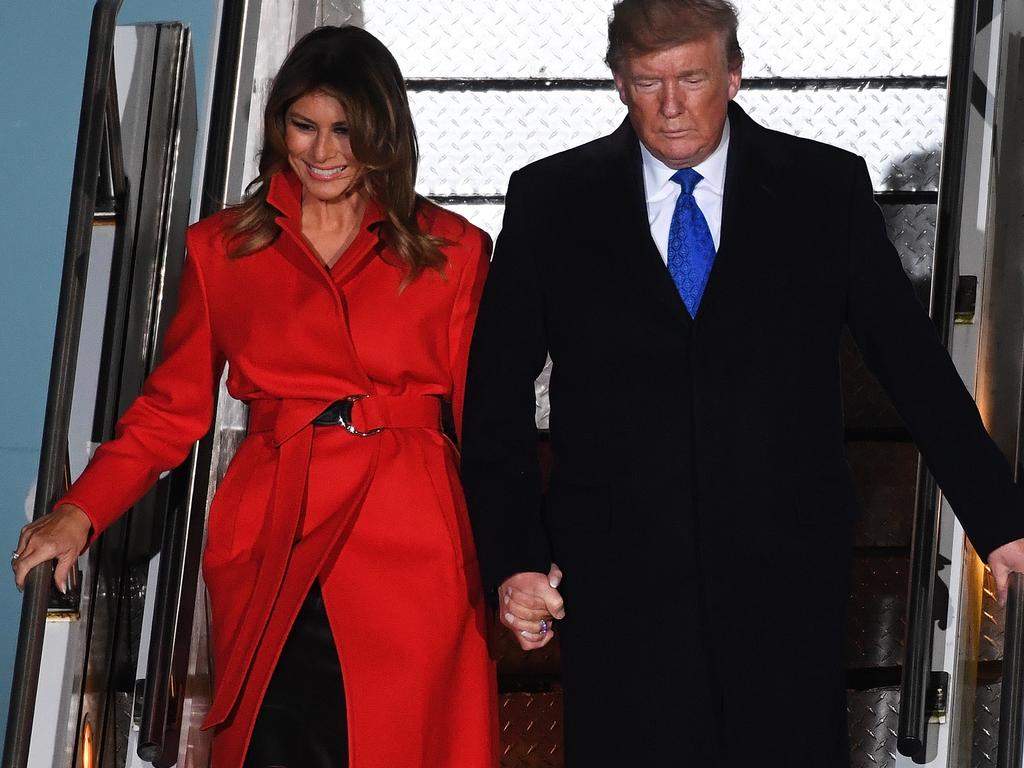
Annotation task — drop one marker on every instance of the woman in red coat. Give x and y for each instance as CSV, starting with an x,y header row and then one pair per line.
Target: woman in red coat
x,y
348,621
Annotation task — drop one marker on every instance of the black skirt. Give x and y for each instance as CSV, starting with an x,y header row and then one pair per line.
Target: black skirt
x,y
302,722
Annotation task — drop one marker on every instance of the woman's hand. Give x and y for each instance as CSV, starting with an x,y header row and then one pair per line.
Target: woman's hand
x,y
60,535
529,602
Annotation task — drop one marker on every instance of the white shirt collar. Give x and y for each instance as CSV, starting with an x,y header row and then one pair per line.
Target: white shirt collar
x,y
658,176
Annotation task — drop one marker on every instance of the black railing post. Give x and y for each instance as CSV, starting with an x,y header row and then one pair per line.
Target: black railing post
x,y
1011,697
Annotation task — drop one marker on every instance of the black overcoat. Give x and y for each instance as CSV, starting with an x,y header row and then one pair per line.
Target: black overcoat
x,y
700,502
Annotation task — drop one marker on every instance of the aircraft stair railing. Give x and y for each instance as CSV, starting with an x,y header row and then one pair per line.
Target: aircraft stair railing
x,y
917,667
162,721
174,613
93,134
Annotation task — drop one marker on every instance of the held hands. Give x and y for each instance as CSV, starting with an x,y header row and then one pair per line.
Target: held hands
x,y
60,535
528,604
1004,560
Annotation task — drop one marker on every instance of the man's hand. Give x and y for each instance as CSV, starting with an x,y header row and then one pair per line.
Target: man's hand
x,y
61,535
1003,561
528,602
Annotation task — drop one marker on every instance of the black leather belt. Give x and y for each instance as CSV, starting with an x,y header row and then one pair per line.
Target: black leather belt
x,y
339,414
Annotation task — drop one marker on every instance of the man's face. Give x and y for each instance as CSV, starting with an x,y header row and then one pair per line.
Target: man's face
x,y
677,99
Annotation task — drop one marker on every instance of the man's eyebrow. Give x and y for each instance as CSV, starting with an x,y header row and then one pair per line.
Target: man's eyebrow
x,y
685,73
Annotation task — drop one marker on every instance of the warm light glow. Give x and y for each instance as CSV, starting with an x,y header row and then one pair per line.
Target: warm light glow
x,y
88,751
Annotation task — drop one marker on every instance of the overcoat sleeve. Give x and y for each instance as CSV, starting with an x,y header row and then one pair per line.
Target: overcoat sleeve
x,y
463,319
902,348
500,468
158,429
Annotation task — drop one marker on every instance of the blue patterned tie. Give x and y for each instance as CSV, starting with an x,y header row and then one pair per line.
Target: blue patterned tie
x,y
691,251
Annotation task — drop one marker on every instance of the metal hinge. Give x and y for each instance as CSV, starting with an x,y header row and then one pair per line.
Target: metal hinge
x,y
966,300
936,702
66,606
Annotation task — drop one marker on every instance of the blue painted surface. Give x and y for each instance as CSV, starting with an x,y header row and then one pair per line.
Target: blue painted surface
x,y
42,61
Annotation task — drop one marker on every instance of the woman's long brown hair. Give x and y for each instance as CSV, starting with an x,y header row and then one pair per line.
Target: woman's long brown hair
x,y
353,66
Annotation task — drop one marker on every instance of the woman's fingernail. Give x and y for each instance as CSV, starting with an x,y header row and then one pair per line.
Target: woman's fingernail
x,y
509,618
506,599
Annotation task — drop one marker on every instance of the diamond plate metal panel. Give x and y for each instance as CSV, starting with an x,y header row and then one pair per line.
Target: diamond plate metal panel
x,y
845,38
885,475
471,141
872,720
993,622
877,611
781,38
339,12
912,231
493,38
531,730
985,744
898,131
487,216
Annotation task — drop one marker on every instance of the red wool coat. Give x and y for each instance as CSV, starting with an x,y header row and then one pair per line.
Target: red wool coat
x,y
380,520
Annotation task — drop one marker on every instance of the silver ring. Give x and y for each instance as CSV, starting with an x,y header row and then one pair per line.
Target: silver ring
x,y
15,555
544,626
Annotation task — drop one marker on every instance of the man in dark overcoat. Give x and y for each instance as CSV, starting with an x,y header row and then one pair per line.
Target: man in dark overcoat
x,y
690,276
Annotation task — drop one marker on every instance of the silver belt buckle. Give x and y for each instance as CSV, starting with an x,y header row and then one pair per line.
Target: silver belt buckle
x,y
341,416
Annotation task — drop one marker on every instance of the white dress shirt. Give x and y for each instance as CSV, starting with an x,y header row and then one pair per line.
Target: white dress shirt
x,y
662,192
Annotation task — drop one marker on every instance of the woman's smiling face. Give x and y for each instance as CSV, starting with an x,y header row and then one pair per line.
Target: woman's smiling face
x,y
319,149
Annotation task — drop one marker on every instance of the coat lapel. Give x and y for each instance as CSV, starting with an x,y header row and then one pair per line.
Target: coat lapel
x,y
750,197
645,270
285,194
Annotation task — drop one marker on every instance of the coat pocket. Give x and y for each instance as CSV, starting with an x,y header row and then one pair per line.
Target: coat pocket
x,y
439,464
233,500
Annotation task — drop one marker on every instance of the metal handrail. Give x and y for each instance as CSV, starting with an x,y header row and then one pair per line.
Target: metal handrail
x,y
180,559
113,184
917,667
226,86
167,663
98,72
1011,703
